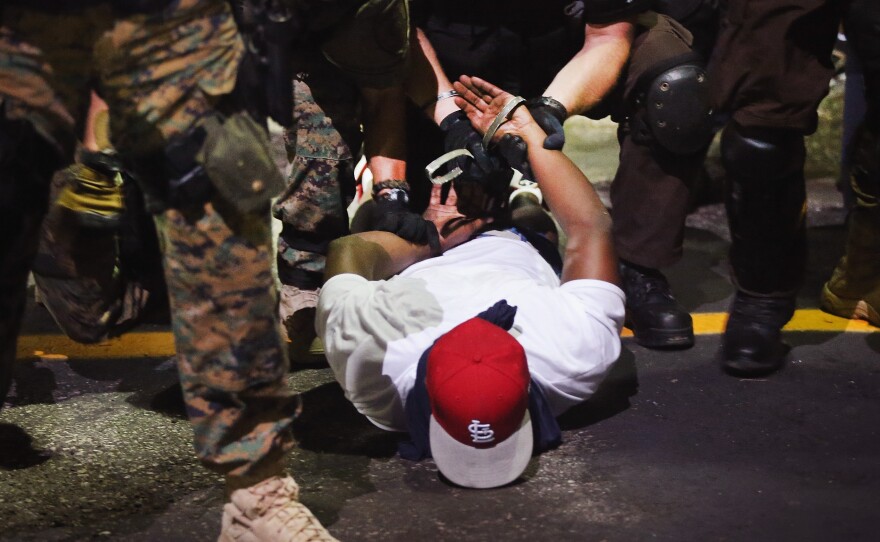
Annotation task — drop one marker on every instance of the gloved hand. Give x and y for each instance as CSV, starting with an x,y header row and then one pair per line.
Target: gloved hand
x,y
550,114
392,214
459,133
516,153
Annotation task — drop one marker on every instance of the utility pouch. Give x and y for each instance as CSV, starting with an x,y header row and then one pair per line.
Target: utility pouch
x,y
236,158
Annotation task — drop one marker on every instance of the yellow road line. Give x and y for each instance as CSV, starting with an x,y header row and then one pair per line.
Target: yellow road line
x,y
131,345
161,343
712,323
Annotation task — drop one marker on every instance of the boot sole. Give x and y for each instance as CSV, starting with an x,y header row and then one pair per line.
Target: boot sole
x,y
665,338
853,309
749,368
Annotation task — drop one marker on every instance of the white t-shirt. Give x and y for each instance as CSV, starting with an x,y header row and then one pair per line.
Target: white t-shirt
x,y
374,332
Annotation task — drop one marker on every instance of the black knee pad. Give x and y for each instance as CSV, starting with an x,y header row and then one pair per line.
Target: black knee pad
x,y
761,154
672,107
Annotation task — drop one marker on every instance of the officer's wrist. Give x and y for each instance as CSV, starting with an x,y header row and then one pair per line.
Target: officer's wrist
x,y
453,118
440,97
553,105
397,189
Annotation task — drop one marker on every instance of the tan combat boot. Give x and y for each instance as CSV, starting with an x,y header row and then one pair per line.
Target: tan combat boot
x,y
270,511
297,314
853,291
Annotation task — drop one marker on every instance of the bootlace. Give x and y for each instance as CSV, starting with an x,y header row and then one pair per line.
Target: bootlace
x,y
646,286
290,519
762,311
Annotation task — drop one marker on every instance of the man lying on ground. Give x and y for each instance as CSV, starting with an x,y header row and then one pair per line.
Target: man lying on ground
x,y
473,343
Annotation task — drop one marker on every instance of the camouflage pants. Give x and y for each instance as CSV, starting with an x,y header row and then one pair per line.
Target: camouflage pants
x,y
322,146
159,74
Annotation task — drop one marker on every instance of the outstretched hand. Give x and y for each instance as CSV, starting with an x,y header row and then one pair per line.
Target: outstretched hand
x,y
482,102
454,228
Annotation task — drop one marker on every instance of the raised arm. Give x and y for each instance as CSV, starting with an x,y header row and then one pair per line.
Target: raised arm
x,y
427,81
385,132
589,251
594,70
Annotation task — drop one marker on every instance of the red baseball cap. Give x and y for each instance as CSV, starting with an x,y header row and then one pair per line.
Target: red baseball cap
x,y
478,384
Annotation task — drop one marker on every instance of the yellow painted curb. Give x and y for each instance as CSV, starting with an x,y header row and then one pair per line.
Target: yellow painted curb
x,y
161,343
131,345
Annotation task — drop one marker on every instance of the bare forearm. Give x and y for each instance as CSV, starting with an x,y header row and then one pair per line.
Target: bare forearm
x,y
589,250
384,132
594,70
568,192
427,80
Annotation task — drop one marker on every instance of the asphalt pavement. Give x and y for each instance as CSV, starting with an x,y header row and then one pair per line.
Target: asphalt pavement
x,y
95,445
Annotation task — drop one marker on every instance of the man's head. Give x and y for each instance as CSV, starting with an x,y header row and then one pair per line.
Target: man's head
x,y
484,198
478,385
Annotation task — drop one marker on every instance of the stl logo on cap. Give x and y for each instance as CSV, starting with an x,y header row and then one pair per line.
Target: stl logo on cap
x,y
481,432
478,385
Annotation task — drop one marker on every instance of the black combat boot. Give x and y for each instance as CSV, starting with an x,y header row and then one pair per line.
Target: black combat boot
x,y
752,344
766,204
656,318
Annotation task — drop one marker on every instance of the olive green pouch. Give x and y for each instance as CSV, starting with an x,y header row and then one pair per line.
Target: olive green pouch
x,y
236,156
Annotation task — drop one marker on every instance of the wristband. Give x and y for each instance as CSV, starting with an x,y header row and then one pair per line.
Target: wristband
x,y
441,96
391,185
552,103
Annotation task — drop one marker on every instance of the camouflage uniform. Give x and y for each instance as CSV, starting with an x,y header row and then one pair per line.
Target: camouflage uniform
x,y
323,145
364,47
160,73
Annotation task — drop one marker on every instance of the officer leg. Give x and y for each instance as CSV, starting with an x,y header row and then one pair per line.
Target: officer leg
x,y
766,206
772,88
27,162
322,144
39,96
853,291
662,145
217,253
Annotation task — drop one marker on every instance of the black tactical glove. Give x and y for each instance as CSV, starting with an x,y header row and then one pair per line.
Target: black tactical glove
x,y
550,114
392,214
516,153
459,133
